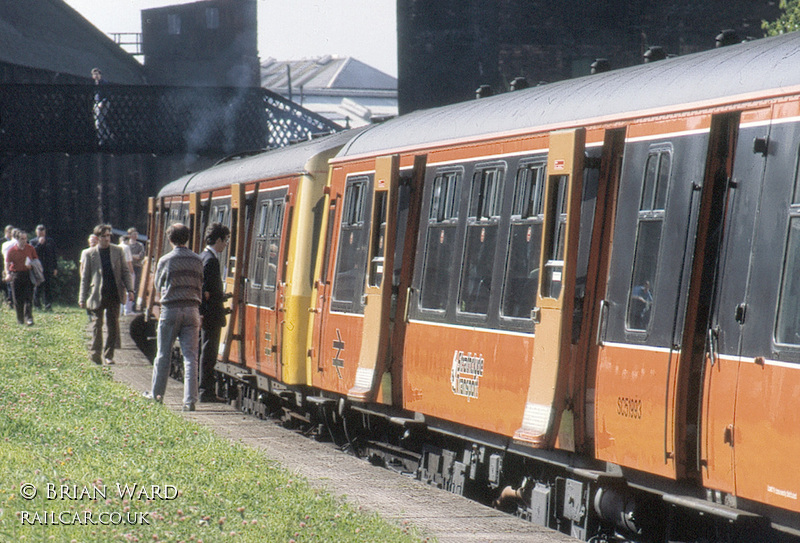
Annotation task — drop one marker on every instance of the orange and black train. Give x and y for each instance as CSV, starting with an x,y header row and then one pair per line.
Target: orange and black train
x,y
579,301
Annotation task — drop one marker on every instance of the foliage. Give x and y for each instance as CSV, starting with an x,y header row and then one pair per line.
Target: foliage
x,y
72,433
66,283
789,21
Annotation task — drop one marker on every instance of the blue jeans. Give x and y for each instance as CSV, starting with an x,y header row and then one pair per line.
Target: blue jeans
x,y
183,323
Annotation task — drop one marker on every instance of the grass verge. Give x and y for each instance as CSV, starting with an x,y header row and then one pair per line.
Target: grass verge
x,y
84,459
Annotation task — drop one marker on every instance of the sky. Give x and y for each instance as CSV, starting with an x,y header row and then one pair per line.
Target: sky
x,y
287,29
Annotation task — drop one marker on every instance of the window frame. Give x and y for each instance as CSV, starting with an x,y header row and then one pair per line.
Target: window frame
x,y
521,218
357,213
649,212
482,215
441,218
792,216
174,24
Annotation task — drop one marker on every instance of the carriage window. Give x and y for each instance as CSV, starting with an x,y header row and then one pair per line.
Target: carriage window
x,y
481,241
787,327
265,251
444,204
351,264
648,239
557,227
219,213
796,199
164,242
378,240
437,271
524,245
260,253
274,228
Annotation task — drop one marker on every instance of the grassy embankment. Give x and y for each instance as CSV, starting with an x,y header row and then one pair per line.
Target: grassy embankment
x,y
71,433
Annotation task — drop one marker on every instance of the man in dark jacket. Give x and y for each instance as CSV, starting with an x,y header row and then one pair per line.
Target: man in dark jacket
x,y
212,310
46,250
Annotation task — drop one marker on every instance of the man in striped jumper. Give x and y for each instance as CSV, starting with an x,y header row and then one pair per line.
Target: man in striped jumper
x,y
179,279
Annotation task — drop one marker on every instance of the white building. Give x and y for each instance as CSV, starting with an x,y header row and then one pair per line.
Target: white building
x,y
342,89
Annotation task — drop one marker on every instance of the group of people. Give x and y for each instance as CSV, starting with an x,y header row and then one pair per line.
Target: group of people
x,y
28,269
191,302
190,288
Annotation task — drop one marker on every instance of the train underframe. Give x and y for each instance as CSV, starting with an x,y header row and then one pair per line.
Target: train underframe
x,y
591,501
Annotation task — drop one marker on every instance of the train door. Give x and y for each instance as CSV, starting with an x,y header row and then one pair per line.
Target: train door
x,y
766,419
723,331
184,213
754,334
409,205
340,303
601,180
262,293
171,216
221,210
636,374
376,332
145,300
233,334
554,301
195,223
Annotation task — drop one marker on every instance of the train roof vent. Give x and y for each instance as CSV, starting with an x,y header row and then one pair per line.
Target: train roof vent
x,y
727,37
484,91
600,65
519,83
654,53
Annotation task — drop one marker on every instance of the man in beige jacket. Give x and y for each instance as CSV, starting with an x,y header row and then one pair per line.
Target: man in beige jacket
x,y
105,283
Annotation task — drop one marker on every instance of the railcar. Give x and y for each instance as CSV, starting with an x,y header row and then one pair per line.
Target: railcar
x,y
272,203
577,301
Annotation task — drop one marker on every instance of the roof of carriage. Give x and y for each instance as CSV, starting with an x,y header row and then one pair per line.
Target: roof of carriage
x,y
716,76
289,160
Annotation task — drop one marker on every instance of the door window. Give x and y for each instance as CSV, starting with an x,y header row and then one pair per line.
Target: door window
x,y
648,239
481,239
266,249
351,264
522,269
787,325
437,270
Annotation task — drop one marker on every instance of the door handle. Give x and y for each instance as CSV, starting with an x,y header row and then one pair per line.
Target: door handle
x,y
712,339
728,435
598,340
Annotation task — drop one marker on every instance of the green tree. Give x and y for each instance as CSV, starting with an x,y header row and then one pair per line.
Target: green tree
x,y
789,21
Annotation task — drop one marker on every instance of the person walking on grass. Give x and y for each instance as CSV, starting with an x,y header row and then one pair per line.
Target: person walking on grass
x,y
105,282
179,280
138,254
18,273
7,240
46,249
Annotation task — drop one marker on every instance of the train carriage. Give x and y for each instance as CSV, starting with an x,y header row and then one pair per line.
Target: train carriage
x,y
630,343
579,301
272,204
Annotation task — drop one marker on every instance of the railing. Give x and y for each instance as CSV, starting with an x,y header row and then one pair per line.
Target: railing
x,y
131,42
127,119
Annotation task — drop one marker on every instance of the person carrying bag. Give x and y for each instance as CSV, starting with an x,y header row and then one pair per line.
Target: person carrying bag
x,y
37,271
